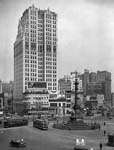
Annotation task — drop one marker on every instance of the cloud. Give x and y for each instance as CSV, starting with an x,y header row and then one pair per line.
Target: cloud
x,y
102,2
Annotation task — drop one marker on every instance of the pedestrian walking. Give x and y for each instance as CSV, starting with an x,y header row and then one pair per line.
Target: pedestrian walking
x,y
99,127
104,132
104,123
100,146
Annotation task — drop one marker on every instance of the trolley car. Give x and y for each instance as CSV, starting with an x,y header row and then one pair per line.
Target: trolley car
x,y
40,124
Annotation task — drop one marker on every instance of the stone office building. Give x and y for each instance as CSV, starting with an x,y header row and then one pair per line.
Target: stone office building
x,y
97,84
35,51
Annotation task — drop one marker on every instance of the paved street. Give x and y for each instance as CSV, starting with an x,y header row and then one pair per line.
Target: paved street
x,y
36,139
52,139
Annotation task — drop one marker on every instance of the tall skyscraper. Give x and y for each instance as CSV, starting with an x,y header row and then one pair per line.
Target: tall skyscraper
x,y
92,77
35,50
97,83
104,77
85,80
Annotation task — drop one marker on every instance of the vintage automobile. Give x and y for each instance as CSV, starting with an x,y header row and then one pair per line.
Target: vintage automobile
x,y
17,143
80,148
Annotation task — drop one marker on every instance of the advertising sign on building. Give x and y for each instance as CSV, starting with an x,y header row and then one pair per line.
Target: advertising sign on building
x,y
40,85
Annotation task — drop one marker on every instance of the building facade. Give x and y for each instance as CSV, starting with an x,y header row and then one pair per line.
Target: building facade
x,y
85,80
67,88
104,77
97,85
1,98
67,83
37,97
112,99
7,88
64,84
35,50
58,105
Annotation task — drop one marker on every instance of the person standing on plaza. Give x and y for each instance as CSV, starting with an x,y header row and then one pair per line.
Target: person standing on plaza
x,y
99,127
104,123
104,132
100,146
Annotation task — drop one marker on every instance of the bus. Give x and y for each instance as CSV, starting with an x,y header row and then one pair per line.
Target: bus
x,y
40,124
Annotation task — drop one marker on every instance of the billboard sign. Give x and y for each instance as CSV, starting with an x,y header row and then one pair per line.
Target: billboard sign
x,y
39,85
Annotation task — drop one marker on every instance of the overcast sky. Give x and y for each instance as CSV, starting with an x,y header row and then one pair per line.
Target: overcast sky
x,y
85,34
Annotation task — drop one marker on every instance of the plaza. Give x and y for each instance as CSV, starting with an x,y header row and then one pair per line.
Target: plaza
x,y
54,139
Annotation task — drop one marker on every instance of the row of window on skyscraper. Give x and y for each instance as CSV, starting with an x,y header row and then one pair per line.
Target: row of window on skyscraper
x,y
48,39
40,21
40,61
33,47
40,67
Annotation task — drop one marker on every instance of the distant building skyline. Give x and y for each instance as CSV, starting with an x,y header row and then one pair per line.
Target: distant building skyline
x,y
90,83
97,83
